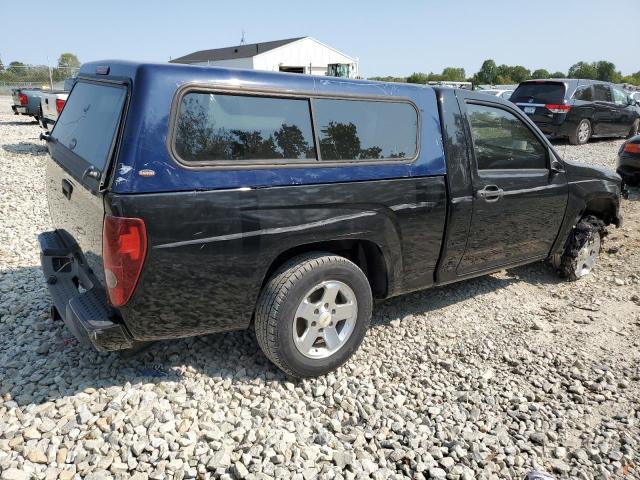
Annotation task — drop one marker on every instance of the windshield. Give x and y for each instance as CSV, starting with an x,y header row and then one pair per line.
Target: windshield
x,y
89,120
544,92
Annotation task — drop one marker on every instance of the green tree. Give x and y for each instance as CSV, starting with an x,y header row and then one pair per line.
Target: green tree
x,y
607,72
454,74
68,60
488,72
583,70
418,77
558,75
540,73
519,74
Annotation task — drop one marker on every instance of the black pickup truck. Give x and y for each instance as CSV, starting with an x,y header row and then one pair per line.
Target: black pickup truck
x,y
190,200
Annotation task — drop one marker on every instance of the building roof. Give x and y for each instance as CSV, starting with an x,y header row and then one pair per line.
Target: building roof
x,y
237,51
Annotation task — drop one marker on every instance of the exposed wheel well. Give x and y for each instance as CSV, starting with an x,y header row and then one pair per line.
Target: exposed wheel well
x,y
603,208
364,253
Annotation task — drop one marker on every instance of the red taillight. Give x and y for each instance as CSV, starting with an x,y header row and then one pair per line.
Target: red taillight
x,y
124,247
632,148
23,99
59,105
557,108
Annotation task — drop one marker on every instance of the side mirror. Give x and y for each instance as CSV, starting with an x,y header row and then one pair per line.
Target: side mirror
x,y
556,166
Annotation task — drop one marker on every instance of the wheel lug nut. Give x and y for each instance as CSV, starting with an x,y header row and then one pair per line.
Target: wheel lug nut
x,y
313,324
326,305
333,312
316,311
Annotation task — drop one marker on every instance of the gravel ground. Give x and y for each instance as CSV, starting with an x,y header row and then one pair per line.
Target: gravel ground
x,y
488,378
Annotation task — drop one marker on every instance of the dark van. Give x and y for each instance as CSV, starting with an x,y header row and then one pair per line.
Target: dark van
x,y
578,109
189,200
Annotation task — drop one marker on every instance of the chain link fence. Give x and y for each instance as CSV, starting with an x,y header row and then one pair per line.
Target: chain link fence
x,y
40,76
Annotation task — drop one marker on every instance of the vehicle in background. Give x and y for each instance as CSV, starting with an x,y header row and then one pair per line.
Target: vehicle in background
x,y
26,101
628,166
51,104
505,94
450,84
189,200
578,109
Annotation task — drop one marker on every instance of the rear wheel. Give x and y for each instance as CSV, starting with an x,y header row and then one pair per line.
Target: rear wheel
x,y
582,133
582,250
634,128
313,314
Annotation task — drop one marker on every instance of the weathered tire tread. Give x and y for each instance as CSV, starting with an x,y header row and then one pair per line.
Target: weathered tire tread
x,y
273,296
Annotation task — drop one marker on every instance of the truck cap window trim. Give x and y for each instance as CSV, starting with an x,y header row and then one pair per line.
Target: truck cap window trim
x,y
279,163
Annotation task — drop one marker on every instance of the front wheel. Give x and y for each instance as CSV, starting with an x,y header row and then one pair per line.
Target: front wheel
x,y
582,249
313,313
582,133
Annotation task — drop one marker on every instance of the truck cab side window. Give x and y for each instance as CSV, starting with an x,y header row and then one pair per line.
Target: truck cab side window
x,y
502,141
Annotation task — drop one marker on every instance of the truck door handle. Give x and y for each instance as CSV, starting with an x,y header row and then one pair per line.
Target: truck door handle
x,y
490,193
67,188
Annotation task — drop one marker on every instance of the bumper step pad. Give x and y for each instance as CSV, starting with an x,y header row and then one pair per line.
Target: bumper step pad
x,y
86,312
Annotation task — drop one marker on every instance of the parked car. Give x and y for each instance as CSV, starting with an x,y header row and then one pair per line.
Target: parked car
x,y
196,200
26,101
506,94
629,161
578,109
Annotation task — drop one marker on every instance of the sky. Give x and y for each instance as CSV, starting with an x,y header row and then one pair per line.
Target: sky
x,y
393,37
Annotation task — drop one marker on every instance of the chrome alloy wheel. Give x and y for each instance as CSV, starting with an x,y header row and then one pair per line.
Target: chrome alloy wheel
x,y
584,131
325,319
587,256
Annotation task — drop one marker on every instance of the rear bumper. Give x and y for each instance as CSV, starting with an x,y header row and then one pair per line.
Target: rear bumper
x,y
17,109
78,296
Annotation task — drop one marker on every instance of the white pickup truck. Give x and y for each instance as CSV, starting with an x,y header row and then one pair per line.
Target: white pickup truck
x,y
51,104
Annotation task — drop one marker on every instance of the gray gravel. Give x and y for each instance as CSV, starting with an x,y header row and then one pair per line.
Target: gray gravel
x,y
488,378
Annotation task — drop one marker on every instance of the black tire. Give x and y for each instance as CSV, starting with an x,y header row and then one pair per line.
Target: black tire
x,y
575,138
279,300
634,129
584,232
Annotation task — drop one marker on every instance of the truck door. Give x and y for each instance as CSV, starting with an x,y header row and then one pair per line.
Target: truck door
x,y
518,199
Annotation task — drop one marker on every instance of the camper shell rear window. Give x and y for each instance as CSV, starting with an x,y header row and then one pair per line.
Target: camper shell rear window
x,y
89,121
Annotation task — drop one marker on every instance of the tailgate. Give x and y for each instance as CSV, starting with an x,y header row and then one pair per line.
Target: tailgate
x,y
81,147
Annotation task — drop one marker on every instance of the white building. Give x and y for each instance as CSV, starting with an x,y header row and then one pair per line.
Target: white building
x,y
296,55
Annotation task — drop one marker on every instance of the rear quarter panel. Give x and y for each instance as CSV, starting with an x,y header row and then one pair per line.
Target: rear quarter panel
x,y
209,252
